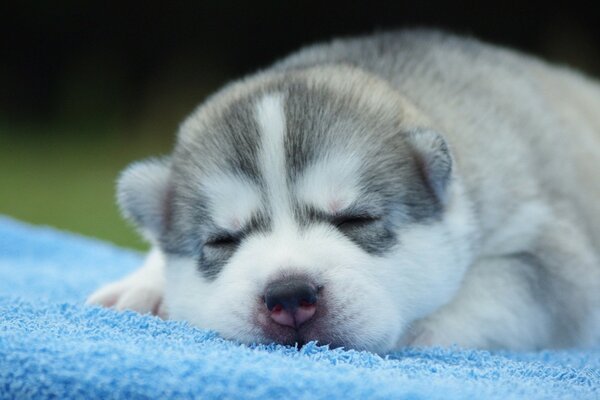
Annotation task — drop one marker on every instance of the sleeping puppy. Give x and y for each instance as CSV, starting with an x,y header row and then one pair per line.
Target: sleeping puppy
x,y
408,188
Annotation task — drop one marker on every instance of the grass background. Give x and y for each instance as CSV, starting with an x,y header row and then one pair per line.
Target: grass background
x,y
67,179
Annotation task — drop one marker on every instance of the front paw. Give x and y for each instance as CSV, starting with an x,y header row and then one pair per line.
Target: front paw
x,y
131,294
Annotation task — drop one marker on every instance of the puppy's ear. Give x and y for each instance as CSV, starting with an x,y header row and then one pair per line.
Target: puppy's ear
x,y
143,193
434,160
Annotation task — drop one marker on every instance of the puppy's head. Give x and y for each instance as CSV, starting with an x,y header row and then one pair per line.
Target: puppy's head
x,y
306,205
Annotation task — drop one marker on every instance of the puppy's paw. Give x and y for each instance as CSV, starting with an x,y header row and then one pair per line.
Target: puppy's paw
x,y
131,293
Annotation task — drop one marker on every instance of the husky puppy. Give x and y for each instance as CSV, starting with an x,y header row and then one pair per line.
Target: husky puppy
x,y
407,188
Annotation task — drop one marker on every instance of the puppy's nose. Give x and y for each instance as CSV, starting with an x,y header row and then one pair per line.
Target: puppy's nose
x,y
291,302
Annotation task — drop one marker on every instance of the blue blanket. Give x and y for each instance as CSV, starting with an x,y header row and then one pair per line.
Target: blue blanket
x,y
52,346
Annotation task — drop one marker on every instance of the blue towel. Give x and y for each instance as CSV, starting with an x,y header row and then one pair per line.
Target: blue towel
x,y
52,346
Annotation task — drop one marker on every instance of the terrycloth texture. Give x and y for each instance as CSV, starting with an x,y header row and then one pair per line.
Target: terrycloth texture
x,y
52,346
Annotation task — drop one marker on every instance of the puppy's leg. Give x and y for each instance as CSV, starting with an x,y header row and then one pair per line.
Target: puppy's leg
x,y
496,307
141,291
545,297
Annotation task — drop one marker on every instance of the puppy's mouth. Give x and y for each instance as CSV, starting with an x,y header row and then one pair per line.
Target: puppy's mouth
x,y
300,335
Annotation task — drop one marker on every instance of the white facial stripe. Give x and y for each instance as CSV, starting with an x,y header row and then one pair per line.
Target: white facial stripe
x,y
232,200
330,184
271,121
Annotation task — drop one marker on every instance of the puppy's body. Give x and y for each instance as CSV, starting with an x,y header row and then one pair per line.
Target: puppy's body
x,y
429,189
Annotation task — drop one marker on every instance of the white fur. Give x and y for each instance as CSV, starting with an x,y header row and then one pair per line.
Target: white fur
x,y
271,122
330,184
232,200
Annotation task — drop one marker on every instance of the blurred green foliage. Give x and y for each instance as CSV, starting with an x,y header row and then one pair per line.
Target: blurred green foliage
x,y
67,179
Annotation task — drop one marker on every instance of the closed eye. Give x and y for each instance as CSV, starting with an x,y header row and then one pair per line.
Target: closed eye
x,y
223,241
345,222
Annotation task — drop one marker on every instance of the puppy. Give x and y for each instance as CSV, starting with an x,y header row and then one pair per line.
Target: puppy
x,y
406,188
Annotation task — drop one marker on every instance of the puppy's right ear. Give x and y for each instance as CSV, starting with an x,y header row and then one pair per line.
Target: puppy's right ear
x,y
143,192
434,160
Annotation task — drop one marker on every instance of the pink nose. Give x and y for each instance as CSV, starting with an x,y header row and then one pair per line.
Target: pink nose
x,y
291,302
293,318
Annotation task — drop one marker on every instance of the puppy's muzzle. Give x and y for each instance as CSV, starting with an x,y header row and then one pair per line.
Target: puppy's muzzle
x,y
291,302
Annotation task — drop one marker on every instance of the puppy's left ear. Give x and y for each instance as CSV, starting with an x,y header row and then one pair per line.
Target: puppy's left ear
x,y
434,160
143,195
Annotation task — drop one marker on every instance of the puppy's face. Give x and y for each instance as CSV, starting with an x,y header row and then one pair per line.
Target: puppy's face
x,y
304,207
